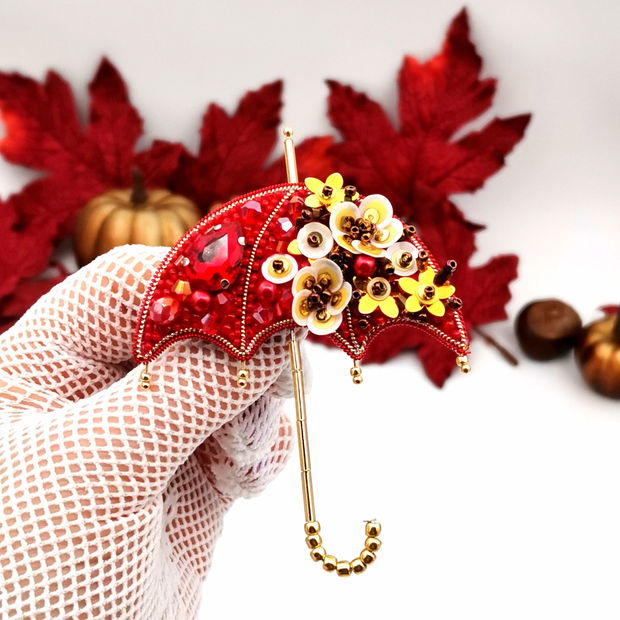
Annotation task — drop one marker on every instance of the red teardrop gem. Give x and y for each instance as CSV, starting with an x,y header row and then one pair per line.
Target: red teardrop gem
x,y
215,256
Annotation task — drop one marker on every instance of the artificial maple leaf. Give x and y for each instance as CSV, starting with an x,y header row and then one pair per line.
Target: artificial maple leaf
x,y
28,292
16,257
43,131
420,164
233,150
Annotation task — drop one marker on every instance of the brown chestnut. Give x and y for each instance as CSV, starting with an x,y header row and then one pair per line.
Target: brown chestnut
x,y
547,329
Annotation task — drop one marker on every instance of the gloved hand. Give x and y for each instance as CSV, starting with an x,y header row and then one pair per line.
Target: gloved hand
x,y
113,497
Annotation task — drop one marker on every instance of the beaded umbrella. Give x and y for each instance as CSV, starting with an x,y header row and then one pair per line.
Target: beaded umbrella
x,y
317,255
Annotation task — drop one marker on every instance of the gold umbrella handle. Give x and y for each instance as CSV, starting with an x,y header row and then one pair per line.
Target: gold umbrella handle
x,y
312,527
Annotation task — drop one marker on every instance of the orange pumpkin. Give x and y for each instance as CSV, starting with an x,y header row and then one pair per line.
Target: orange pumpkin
x,y
119,216
598,355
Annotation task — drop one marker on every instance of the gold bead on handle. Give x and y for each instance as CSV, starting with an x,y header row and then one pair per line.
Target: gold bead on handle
x,y
343,568
314,540
373,528
312,527
329,563
318,554
368,557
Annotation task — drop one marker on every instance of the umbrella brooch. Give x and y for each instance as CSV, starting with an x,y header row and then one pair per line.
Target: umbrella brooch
x,y
317,255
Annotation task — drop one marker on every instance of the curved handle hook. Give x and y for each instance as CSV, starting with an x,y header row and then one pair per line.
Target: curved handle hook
x,y
312,527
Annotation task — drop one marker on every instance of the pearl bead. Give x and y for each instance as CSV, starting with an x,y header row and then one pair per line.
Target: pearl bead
x,y
200,301
368,557
364,266
268,292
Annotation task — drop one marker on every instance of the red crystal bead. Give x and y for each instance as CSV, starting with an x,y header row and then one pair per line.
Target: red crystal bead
x,y
262,315
216,255
284,306
285,224
164,310
364,266
251,212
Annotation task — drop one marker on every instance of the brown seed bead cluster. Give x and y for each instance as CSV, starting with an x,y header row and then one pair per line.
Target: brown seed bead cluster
x,y
343,568
320,295
359,228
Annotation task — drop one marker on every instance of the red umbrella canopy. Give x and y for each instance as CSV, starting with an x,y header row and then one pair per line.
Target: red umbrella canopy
x,y
317,255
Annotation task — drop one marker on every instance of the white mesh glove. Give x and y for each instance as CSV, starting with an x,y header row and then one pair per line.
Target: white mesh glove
x,y
113,497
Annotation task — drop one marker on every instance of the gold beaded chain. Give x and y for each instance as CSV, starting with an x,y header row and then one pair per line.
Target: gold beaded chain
x,y
343,568
312,528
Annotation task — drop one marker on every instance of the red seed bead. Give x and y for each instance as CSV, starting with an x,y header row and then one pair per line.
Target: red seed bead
x,y
268,292
200,301
364,266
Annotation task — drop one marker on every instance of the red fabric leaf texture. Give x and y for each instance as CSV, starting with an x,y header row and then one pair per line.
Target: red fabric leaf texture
x,y
422,163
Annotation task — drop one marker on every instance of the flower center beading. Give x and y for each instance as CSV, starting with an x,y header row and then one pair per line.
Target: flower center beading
x,y
379,288
327,192
405,260
427,292
359,228
320,296
315,239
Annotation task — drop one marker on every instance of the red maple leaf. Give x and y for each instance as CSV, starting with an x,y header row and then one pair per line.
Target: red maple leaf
x,y
420,164
609,309
79,161
235,148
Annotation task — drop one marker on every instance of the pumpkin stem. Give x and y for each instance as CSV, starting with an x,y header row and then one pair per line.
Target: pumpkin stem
x,y
139,195
616,327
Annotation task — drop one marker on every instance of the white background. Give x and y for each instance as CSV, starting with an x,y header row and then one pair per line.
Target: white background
x,y
498,494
